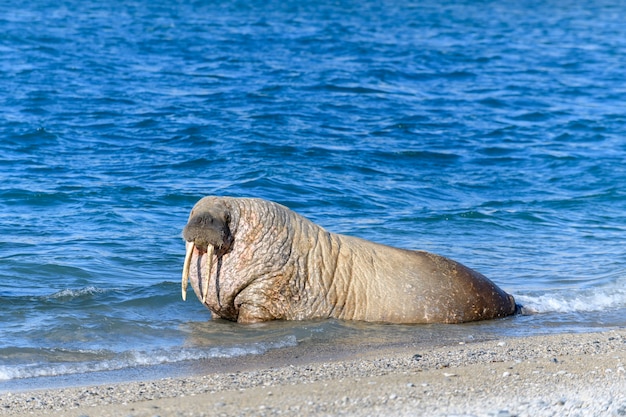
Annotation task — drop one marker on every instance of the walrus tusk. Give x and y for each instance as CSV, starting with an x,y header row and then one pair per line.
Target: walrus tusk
x,y
205,284
189,247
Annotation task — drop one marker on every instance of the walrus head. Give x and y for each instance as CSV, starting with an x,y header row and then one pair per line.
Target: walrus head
x,y
207,230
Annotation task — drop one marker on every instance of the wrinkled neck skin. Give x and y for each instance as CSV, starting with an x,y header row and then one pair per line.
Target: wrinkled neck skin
x,y
266,273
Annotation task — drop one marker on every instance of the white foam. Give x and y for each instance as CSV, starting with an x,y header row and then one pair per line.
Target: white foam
x,y
143,358
571,300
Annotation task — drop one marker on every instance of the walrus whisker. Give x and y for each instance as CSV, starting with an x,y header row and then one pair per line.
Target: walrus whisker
x,y
207,274
189,247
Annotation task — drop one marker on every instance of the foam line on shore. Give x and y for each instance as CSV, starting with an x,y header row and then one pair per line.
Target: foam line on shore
x,y
536,375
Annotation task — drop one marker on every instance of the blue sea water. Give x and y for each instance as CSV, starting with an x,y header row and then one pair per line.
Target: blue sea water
x,y
491,132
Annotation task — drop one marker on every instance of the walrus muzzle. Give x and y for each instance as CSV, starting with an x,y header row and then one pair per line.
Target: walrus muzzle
x,y
204,232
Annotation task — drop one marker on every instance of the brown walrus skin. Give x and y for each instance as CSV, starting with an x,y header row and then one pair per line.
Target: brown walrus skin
x,y
252,260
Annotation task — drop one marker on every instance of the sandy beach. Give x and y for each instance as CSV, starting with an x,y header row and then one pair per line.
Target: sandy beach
x,y
562,374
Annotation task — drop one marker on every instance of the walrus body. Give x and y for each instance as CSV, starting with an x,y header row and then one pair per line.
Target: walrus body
x,y
251,260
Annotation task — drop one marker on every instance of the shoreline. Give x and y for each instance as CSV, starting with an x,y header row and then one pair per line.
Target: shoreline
x,y
561,374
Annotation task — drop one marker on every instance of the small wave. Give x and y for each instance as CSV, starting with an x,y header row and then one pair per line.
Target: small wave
x,y
572,301
81,292
131,359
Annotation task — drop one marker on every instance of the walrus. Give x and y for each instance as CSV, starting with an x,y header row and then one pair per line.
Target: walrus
x,y
251,260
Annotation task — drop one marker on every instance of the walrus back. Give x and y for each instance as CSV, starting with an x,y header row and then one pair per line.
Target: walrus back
x,y
405,286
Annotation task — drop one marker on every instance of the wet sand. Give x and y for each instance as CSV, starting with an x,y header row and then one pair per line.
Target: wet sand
x,y
562,374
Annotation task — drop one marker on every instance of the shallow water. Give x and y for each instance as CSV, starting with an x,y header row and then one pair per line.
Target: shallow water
x,y
491,133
